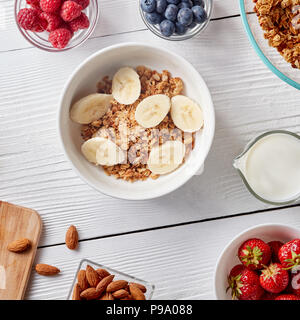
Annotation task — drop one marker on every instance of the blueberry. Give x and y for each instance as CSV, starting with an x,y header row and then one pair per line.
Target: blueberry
x,y
186,4
171,12
148,5
161,5
180,29
185,16
167,28
192,25
199,14
198,3
173,1
153,17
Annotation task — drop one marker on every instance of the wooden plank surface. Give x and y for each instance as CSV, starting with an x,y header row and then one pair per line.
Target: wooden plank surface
x,y
248,99
16,223
179,261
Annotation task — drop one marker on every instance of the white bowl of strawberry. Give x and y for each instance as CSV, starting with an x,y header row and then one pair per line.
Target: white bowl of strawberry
x,y
261,263
56,25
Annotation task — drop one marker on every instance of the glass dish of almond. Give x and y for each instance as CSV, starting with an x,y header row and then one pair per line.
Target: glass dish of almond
x,y
97,282
138,125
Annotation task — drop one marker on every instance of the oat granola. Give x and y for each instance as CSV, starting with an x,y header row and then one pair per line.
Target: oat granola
x,y
279,20
120,126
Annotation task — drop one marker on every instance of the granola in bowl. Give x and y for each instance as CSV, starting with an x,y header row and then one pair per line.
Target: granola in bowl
x,y
280,21
142,126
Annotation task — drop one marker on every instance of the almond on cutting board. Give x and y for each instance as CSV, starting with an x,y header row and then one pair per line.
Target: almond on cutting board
x,y
102,285
19,245
72,238
82,280
46,269
136,293
92,276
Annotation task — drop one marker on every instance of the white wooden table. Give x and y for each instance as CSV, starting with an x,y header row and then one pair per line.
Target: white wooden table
x,y
177,236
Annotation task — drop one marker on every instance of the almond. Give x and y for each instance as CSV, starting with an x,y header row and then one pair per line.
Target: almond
x,y
129,297
136,293
116,285
102,273
90,294
92,276
140,286
102,285
120,294
19,245
76,292
46,269
72,238
107,296
82,281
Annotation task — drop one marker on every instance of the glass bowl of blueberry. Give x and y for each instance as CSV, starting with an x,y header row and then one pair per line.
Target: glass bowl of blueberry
x,y
176,19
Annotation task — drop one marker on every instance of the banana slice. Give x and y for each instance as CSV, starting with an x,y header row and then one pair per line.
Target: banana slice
x,y
186,114
90,108
152,110
126,86
166,157
109,154
102,151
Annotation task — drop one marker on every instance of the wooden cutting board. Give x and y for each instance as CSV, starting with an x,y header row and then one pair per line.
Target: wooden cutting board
x,y
16,223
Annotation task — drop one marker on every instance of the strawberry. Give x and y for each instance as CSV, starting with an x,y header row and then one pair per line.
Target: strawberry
x,y
244,283
289,254
269,296
274,278
295,283
254,254
275,246
287,297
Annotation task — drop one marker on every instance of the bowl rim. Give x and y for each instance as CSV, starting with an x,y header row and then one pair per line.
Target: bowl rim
x,y
60,129
260,53
215,284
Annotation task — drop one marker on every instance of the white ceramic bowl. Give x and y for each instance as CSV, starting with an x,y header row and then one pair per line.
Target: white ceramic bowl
x,y
228,258
106,62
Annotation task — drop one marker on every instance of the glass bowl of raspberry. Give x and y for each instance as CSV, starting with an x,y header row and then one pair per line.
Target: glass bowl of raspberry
x,y
56,25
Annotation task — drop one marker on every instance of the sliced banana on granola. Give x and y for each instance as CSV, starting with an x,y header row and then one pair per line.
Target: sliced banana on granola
x,y
90,108
102,151
166,157
152,110
126,86
109,154
186,114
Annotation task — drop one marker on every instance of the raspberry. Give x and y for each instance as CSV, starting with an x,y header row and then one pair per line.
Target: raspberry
x,y
84,3
34,3
50,6
28,19
70,10
82,22
60,38
52,21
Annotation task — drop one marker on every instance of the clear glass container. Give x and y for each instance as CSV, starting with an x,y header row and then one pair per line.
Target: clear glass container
x,y
238,164
208,6
269,55
118,276
40,39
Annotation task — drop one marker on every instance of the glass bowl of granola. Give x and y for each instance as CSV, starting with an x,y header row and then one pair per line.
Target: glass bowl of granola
x,y
273,28
115,152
